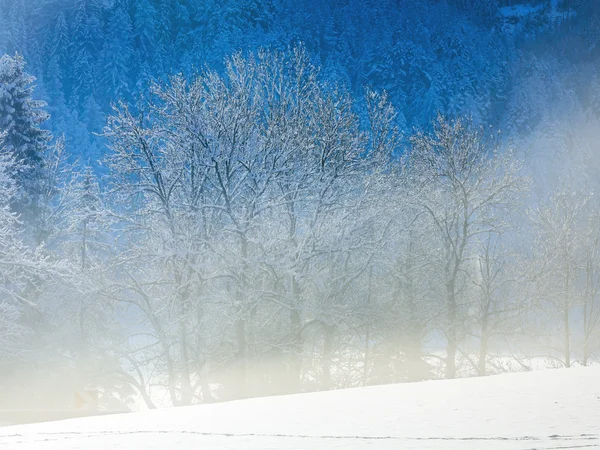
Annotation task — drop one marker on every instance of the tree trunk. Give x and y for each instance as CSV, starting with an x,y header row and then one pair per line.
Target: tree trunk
x,y
240,329
146,397
172,379
367,352
240,376
451,334
186,385
566,323
586,337
207,396
295,371
365,375
567,338
326,382
413,350
483,345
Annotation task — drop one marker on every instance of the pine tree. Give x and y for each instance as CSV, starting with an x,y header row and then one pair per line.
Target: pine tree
x,y
21,117
18,33
86,38
145,22
59,41
145,29
57,106
4,23
115,57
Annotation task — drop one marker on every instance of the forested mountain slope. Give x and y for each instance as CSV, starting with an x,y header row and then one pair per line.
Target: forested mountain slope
x,y
498,60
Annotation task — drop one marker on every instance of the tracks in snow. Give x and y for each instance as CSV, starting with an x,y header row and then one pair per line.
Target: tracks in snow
x,y
570,442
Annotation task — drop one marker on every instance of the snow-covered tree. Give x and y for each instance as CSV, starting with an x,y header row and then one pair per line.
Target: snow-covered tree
x,y
23,274
467,184
21,118
245,181
558,244
116,55
497,307
12,333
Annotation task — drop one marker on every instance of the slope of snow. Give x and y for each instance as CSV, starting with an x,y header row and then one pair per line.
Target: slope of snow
x,y
535,410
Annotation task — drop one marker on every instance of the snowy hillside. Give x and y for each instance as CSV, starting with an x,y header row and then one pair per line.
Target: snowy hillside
x,y
535,410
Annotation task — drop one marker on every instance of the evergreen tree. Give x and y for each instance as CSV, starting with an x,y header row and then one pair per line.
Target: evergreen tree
x,y
59,42
4,23
21,118
56,98
83,51
145,24
115,57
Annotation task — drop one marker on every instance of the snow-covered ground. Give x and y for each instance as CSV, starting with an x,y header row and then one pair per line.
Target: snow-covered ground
x,y
547,409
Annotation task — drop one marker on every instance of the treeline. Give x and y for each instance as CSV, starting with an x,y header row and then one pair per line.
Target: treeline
x,y
253,235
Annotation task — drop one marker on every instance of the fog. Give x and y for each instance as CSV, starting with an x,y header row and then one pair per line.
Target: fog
x,y
261,229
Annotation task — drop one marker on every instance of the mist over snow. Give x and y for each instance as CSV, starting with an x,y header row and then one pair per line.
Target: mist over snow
x,y
541,410
207,201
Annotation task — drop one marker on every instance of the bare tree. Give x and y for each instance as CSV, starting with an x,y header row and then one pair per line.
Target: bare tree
x,y
591,291
497,305
466,182
558,240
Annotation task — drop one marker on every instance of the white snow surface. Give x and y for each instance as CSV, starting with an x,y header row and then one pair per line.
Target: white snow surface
x,y
546,409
